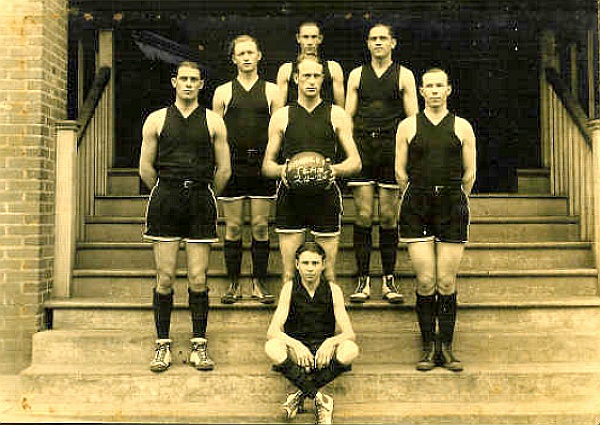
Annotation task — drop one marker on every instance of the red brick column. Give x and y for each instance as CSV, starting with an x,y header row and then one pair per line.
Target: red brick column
x,y
33,84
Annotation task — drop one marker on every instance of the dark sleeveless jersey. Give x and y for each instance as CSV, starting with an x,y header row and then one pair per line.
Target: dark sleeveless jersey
x,y
309,131
185,148
326,87
310,320
380,104
247,117
435,154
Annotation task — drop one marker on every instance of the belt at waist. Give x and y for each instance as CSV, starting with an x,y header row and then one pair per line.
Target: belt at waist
x,y
180,181
436,189
376,133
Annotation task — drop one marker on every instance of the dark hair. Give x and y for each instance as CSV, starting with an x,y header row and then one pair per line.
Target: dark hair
x,y
384,25
188,64
310,24
435,69
311,247
240,39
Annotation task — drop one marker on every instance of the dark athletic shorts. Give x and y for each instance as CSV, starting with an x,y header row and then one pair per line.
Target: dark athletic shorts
x,y
247,180
377,152
320,211
439,213
181,209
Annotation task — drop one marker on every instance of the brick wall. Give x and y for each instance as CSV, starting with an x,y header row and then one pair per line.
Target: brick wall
x,y
33,63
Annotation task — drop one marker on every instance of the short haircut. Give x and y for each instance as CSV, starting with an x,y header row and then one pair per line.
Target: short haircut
x,y
188,64
435,69
311,247
384,25
240,39
310,24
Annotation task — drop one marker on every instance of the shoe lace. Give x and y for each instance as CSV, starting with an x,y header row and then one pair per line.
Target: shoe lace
x,y
321,411
201,350
362,284
391,284
161,352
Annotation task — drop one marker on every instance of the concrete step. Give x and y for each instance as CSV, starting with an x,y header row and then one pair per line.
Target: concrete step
x,y
576,314
483,229
480,204
492,256
125,181
534,181
226,346
427,413
244,384
136,285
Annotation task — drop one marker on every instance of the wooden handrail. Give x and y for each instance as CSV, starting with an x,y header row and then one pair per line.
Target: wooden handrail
x,y
89,106
575,110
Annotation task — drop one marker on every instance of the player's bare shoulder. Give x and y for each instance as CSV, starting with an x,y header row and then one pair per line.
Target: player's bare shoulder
x,y
463,129
154,122
285,72
407,129
215,123
354,77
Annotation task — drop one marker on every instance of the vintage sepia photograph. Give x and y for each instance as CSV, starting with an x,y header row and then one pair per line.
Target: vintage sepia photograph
x,y
293,211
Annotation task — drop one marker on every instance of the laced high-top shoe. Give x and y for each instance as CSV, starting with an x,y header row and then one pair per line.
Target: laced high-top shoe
x,y
162,356
292,405
427,361
363,290
199,355
449,360
260,291
389,290
233,294
323,409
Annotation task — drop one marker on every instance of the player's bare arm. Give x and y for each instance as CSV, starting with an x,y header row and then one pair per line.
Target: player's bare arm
x,y
409,92
465,133
283,77
276,328
405,133
277,126
337,76
218,133
150,132
327,350
352,92
274,97
342,125
221,99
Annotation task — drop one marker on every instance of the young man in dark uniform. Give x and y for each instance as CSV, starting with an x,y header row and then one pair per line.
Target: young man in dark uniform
x,y
310,125
302,340
435,168
246,104
309,38
185,160
380,95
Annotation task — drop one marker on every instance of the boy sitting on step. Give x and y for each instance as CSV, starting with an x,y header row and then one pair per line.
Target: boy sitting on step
x,y
302,340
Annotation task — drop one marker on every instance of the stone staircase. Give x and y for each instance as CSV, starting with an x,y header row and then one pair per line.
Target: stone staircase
x,y
527,330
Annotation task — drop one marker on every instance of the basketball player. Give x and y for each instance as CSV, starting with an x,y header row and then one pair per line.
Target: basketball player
x,y
310,125
302,340
309,38
380,94
185,160
246,105
435,168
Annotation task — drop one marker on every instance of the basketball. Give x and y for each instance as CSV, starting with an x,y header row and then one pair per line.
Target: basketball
x,y
309,170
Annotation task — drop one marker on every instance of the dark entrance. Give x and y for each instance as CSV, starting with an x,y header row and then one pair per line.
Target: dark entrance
x,y
489,50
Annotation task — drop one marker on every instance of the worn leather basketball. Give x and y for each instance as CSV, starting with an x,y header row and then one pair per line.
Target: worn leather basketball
x,y
309,170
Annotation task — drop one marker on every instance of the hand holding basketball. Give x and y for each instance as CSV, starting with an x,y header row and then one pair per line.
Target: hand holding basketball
x,y
308,170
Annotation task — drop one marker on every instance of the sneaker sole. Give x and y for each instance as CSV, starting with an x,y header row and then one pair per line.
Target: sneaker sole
x,y
157,369
358,300
398,300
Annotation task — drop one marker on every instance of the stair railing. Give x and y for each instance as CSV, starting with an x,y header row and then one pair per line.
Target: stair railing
x,y
570,147
83,156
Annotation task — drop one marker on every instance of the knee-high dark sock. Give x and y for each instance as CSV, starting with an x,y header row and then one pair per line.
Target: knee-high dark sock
x,y
198,302
388,244
447,317
322,377
363,242
232,251
260,258
426,308
297,376
162,305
